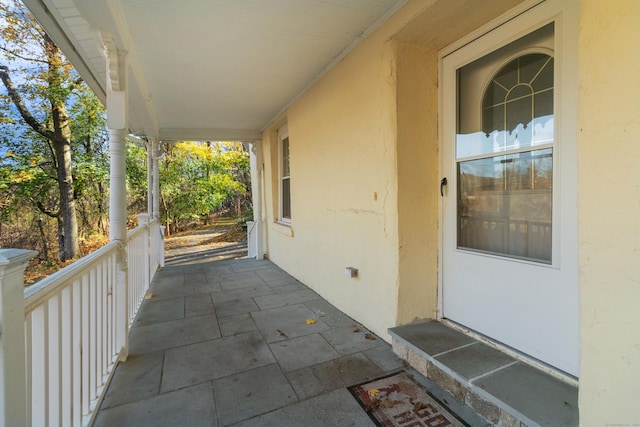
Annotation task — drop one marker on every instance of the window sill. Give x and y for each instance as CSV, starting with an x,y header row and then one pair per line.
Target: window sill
x,y
283,228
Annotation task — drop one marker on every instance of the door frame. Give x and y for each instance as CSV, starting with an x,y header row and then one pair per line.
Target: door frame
x,y
516,23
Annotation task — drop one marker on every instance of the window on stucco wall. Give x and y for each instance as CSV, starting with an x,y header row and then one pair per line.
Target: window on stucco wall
x,y
285,175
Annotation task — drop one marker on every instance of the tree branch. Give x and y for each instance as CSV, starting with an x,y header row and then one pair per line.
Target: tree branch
x,y
10,52
22,108
46,172
53,153
46,211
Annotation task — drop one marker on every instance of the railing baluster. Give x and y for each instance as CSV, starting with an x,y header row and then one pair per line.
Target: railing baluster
x,y
98,330
131,272
104,289
66,353
76,351
53,360
28,335
40,368
92,338
85,345
112,334
55,363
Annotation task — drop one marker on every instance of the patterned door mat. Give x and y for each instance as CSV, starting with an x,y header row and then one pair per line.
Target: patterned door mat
x,y
397,400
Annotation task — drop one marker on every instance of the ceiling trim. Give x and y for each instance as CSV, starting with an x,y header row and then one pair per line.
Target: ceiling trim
x,y
241,135
399,4
115,63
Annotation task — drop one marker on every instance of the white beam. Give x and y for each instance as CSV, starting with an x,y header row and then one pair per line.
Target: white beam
x,y
210,134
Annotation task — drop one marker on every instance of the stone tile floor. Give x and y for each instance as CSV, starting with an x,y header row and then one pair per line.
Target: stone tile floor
x,y
225,341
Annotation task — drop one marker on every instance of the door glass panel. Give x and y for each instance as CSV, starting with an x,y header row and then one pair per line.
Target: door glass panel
x,y
504,204
504,156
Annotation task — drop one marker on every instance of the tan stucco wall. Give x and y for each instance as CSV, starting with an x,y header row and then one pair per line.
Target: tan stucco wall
x,y
608,212
417,157
343,188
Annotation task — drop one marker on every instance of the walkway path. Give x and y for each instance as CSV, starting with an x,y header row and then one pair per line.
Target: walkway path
x,y
225,340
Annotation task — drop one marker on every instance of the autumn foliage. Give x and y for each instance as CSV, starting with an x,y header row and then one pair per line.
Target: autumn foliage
x,y
54,158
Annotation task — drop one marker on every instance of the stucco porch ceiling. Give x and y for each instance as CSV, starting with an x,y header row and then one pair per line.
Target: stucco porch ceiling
x,y
203,69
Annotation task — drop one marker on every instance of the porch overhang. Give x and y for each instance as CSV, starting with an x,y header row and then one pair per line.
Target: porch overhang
x,y
208,70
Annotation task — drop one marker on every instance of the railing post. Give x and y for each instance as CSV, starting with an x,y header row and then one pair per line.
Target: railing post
x,y
122,303
161,260
13,373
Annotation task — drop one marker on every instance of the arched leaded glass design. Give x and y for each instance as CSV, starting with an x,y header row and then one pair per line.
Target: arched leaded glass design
x,y
505,170
521,91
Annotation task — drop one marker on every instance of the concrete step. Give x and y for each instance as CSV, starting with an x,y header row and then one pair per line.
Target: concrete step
x,y
503,390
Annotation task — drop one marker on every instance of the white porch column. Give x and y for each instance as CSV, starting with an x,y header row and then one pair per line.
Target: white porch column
x,y
256,163
13,372
156,153
118,232
153,178
118,189
150,177
144,219
117,123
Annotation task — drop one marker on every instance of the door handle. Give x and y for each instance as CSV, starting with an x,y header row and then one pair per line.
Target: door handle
x,y
443,182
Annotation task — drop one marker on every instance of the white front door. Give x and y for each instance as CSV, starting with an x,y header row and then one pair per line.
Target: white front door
x,y
509,202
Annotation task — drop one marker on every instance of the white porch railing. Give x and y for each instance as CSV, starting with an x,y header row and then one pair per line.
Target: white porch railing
x,y
76,324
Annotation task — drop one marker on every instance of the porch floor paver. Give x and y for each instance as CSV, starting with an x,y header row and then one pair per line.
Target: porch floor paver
x,y
250,393
333,374
173,333
191,406
336,408
139,378
351,339
280,324
303,351
208,360
224,340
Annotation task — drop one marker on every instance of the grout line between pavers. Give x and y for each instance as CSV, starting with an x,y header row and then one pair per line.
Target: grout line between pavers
x,y
215,404
164,353
454,349
493,371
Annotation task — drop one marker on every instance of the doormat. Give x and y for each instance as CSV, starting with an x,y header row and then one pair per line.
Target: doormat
x,y
397,400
